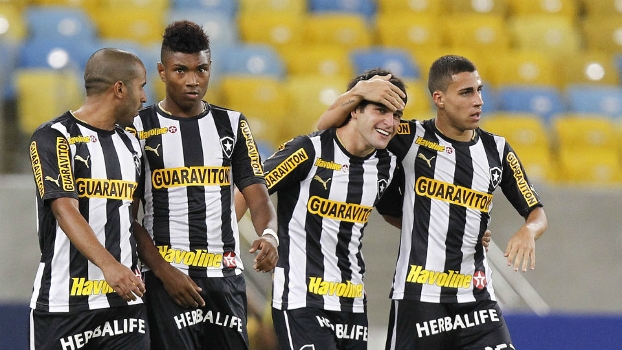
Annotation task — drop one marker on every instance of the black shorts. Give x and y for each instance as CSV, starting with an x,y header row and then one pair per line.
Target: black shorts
x,y
419,325
312,328
113,328
220,324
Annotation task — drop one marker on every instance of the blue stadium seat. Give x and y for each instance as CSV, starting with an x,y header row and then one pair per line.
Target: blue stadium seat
x,y
222,30
9,52
56,53
59,21
253,59
491,100
228,7
366,8
598,99
545,101
397,61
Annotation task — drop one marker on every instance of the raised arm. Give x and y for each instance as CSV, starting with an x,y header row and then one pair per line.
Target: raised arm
x,y
377,89
263,217
522,246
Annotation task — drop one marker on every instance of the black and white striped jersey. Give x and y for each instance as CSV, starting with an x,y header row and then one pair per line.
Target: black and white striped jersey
x,y
447,202
191,165
100,169
325,197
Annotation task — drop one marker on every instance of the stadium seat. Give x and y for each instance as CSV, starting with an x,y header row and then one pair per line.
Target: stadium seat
x,y
523,67
263,100
317,59
310,96
43,94
139,5
598,99
419,105
227,7
476,31
348,30
425,57
549,34
545,101
9,52
222,31
499,7
588,68
253,59
365,8
566,8
410,31
603,32
272,6
12,24
144,26
273,28
601,7
397,61
56,53
433,7
59,21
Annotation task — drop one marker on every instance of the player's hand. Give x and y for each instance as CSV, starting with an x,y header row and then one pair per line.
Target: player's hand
x,y
181,288
486,239
380,90
521,249
123,281
268,255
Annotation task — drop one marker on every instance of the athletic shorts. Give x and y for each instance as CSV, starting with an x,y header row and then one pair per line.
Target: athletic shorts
x,y
220,324
116,328
316,329
419,325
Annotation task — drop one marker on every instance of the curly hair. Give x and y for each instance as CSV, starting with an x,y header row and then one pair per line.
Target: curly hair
x,y
184,36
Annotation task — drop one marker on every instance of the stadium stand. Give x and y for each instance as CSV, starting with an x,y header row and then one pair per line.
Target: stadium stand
x,y
595,99
396,60
545,101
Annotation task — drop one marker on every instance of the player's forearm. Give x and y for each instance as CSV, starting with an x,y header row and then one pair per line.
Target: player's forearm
x,y
147,251
537,222
338,111
262,211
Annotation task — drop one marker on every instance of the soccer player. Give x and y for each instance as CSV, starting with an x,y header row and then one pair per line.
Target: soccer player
x,y
87,290
195,153
442,292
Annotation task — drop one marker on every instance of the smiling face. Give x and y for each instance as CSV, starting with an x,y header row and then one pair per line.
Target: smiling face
x,y
460,106
186,76
375,125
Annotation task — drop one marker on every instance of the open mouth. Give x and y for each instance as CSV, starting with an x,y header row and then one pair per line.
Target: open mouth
x,y
383,132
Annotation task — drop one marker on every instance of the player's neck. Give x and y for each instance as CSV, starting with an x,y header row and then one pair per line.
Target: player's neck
x,y
452,132
176,110
351,140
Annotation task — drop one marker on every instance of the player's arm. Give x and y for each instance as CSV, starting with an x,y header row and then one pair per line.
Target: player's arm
x,y
521,249
264,221
180,287
81,235
377,89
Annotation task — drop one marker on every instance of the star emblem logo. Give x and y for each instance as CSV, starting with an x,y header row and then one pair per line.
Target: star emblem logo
x,y
479,279
382,185
226,143
495,176
229,260
172,129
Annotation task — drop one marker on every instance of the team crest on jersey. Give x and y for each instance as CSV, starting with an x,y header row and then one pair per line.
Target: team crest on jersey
x,y
382,186
495,176
226,143
228,259
479,279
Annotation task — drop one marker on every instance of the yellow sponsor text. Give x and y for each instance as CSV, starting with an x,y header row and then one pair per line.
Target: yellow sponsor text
x,y
152,132
451,279
321,163
79,139
82,286
103,188
403,129
191,176
338,210
198,257
285,167
519,175
345,289
253,153
35,162
64,164
454,194
429,144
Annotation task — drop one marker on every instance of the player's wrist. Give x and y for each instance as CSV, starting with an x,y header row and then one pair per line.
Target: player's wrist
x,y
270,232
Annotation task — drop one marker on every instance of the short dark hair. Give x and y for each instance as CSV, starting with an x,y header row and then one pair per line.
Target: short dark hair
x,y
107,66
368,74
184,36
444,67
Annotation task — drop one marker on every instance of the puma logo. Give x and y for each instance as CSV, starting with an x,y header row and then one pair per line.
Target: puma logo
x,y
154,150
325,183
420,155
85,161
49,178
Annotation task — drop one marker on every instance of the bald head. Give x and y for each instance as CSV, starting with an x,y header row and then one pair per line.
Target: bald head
x,y
107,66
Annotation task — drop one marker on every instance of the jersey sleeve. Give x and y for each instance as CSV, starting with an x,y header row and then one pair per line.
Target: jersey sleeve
x,y
402,141
246,161
516,185
51,162
290,164
393,197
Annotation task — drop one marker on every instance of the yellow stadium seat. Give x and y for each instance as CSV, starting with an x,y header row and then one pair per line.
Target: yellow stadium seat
x,y
263,100
12,25
523,67
139,5
549,34
348,30
602,7
499,7
477,31
317,59
575,132
144,26
63,91
567,8
603,32
310,96
589,167
419,99
588,68
434,7
274,28
280,6
411,31
425,58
